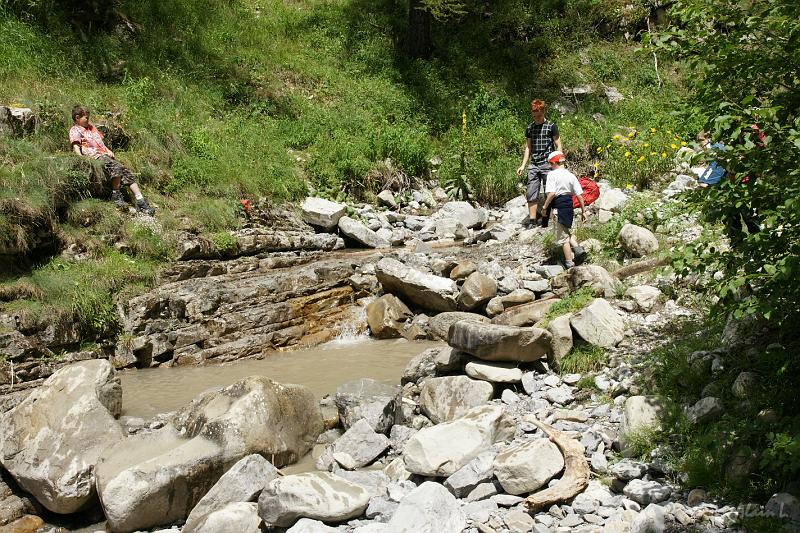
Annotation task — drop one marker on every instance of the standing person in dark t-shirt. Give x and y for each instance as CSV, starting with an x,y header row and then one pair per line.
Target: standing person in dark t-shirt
x,y
541,138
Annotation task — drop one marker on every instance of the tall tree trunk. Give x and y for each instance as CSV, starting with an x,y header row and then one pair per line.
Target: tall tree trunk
x,y
419,31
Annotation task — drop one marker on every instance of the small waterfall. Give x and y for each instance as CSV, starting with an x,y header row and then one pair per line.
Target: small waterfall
x,y
353,329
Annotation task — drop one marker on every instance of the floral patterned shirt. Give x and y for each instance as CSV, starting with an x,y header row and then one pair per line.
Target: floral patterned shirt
x,y
90,140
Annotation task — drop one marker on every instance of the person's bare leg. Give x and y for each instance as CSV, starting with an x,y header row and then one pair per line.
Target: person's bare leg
x,y
137,193
567,251
532,210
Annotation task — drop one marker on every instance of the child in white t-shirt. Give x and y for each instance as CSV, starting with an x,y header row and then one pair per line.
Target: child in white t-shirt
x,y
561,185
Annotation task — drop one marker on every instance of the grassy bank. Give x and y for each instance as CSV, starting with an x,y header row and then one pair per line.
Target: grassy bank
x,y
268,100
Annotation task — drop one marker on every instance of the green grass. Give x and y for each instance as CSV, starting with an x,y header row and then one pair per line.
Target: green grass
x,y
572,302
583,358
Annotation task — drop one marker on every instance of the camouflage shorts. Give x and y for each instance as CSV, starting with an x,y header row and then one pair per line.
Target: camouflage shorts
x,y
114,169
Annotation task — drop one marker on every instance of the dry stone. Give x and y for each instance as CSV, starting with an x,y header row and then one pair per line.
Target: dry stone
x,y
644,296
593,276
386,316
440,324
318,495
494,372
429,508
492,342
641,412
447,398
525,466
322,213
598,323
561,332
526,314
424,290
637,241
463,270
157,478
359,446
236,517
470,216
242,483
360,233
368,399
443,449
476,291
51,441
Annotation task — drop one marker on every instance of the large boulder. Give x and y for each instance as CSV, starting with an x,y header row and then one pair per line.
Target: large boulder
x,y
360,233
429,508
593,276
516,297
492,342
322,213
470,216
157,478
440,324
447,398
242,483
51,441
476,291
525,314
386,315
443,449
637,241
598,323
523,467
451,228
318,495
423,290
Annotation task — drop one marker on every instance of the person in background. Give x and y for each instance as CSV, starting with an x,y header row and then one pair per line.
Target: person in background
x,y
86,140
560,187
541,138
713,174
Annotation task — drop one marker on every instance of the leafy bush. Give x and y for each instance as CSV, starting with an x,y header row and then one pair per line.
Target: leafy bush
x,y
583,358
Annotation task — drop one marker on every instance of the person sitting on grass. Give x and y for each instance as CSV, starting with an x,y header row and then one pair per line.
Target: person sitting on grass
x,y
86,140
561,186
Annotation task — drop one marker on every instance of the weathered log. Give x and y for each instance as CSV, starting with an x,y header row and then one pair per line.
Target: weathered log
x,y
576,470
639,267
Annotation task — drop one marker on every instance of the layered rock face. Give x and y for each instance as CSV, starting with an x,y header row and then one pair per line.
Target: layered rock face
x,y
157,478
51,441
233,315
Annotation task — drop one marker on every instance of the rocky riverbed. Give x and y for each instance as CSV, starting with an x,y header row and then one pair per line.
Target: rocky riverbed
x,y
487,433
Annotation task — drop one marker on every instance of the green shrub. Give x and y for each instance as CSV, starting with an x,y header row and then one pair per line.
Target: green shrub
x,y
224,242
572,302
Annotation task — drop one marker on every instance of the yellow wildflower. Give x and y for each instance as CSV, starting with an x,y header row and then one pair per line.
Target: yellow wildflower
x,y
653,153
627,154
641,158
683,143
599,149
663,154
673,146
616,136
652,130
646,145
608,145
628,186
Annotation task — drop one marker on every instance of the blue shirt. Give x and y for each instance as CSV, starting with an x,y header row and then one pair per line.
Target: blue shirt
x,y
715,172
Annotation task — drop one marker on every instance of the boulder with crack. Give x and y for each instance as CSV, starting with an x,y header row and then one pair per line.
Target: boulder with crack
x,y
492,342
157,478
423,290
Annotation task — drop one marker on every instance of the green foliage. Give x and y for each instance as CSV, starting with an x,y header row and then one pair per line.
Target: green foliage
x,y
736,86
587,382
640,442
583,358
147,243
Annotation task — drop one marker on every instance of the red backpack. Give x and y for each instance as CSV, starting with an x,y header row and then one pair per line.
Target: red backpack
x,y
591,192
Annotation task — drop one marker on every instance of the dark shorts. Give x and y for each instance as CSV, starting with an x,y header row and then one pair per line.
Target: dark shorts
x,y
537,178
114,169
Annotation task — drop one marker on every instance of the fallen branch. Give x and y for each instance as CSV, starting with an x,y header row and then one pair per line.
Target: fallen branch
x,y
639,267
576,470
